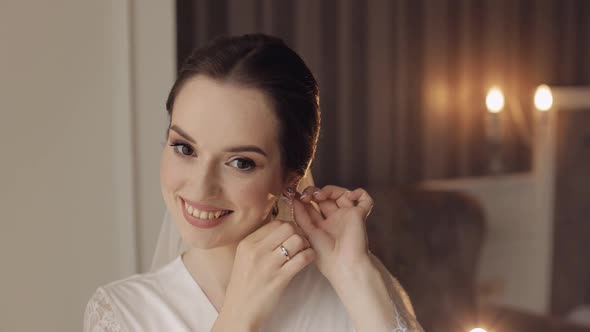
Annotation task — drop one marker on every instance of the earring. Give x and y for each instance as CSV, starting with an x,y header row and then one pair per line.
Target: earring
x,y
287,199
290,193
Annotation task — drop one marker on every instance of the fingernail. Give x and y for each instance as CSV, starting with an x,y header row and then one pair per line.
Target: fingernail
x,y
303,196
315,193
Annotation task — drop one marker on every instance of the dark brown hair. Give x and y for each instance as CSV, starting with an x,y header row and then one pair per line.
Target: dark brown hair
x,y
268,64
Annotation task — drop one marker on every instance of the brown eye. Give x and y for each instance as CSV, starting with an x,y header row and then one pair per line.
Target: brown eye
x,y
184,150
243,164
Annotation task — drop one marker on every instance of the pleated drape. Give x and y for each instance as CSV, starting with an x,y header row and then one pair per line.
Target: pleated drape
x,y
403,83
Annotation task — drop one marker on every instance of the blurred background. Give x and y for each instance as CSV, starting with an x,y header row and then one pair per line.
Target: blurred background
x,y
481,192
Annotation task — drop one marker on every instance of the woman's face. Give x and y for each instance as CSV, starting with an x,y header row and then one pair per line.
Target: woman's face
x,y
226,158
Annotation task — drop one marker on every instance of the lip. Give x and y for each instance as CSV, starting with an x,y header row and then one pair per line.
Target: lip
x,y
201,223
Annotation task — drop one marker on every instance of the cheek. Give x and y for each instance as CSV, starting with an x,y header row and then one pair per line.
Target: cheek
x,y
170,175
259,194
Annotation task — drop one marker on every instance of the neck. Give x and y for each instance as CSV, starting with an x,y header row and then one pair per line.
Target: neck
x,y
211,268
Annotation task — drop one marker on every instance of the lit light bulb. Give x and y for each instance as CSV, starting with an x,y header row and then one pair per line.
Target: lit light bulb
x,y
543,98
478,329
495,101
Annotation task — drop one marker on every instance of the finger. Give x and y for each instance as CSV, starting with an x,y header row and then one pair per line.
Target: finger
x,y
355,194
317,237
278,236
307,194
365,201
315,215
302,218
293,245
330,192
306,222
327,207
326,199
297,263
263,231
344,201
338,194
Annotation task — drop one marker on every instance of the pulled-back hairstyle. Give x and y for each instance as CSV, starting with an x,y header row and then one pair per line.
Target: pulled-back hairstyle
x,y
269,65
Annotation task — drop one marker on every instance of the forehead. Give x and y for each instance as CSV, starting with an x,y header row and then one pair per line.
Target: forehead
x,y
216,113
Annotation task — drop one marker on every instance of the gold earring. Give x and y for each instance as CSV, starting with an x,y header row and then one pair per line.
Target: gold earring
x,y
287,199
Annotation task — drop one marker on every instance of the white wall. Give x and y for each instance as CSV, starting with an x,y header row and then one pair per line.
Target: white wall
x,y
154,70
70,107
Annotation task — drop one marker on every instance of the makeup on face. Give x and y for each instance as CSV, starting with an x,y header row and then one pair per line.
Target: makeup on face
x,y
222,162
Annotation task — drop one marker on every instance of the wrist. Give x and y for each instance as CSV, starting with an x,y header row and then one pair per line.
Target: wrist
x,y
354,274
364,294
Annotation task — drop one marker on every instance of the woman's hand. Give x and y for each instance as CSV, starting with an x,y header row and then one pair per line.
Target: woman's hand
x,y
260,274
337,232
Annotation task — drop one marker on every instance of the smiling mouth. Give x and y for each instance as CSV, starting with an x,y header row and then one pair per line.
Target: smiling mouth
x,y
205,215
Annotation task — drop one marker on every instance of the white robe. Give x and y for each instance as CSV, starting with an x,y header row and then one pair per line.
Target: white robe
x,y
169,299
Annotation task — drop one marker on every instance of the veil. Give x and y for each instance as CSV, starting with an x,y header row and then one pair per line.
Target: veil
x,y
170,244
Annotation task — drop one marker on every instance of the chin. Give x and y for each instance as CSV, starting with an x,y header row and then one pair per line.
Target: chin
x,y
196,239
203,239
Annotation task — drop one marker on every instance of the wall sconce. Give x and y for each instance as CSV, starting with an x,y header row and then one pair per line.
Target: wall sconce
x,y
543,101
494,128
543,98
495,105
495,100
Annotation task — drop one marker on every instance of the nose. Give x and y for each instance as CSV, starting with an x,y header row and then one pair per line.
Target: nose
x,y
205,181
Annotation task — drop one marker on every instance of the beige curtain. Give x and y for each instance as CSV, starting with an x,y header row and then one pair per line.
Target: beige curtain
x,y
403,82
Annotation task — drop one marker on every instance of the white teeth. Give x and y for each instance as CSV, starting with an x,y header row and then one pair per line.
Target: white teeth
x,y
204,214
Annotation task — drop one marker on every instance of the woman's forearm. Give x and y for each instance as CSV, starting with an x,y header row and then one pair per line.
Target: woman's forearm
x,y
366,294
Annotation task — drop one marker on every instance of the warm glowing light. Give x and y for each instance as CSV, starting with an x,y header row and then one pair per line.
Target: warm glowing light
x,y
478,329
495,103
543,98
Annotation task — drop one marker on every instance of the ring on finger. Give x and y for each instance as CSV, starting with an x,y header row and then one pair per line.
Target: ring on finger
x,y
285,252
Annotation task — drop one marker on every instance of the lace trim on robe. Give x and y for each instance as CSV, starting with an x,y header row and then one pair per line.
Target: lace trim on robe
x,y
99,315
404,316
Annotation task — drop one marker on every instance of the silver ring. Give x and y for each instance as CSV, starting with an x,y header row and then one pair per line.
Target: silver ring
x,y
285,252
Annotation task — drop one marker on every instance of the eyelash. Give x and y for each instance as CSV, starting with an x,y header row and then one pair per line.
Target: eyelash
x,y
252,164
175,144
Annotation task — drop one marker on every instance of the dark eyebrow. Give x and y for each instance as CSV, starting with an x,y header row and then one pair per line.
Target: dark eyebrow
x,y
245,148
183,133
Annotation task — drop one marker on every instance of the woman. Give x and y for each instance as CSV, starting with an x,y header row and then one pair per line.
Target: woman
x,y
244,123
